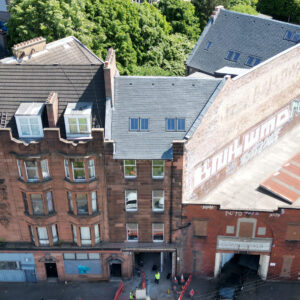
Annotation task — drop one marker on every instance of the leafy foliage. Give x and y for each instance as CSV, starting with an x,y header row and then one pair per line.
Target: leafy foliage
x,y
181,15
285,10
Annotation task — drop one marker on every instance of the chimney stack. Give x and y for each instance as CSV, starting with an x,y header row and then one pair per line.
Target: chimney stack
x,y
52,109
3,40
216,11
110,71
29,47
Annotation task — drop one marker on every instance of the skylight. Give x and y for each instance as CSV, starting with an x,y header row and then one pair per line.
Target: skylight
x,y
252,61
292,36
233,55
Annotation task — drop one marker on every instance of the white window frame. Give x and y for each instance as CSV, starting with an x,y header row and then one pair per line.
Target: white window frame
x,y
78,133
36,171
91,168
94,201
97,233
153,166
27,118
80,179
50,205
19,169
42,201
41,240
54,233
130,165
137,230
131,209
153,230
45,168
153,200
66,165
85,241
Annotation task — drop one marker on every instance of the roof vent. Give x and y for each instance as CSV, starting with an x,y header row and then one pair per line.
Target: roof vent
x,y
29,47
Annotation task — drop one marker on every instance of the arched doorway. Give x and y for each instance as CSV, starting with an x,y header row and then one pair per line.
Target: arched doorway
x,y
115,266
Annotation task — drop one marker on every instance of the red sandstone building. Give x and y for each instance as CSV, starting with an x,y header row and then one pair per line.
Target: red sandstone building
x,y
100,171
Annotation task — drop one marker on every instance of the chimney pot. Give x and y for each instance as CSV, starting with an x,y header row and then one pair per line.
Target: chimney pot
x,y
52,109
38,44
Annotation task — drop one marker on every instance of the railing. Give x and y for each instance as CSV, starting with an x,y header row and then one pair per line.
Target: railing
x,y
186,285
119,290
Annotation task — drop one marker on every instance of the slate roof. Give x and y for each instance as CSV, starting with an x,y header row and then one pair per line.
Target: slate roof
x,y
156,98
33,83
67,51
249,35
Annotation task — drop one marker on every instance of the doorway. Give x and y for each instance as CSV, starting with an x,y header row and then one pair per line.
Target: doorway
x,y
115,270
51,270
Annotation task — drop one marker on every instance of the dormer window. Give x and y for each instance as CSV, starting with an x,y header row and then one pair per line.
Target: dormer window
x,y
78,120
29,120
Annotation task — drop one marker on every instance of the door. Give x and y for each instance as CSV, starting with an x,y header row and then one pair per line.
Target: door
x,y
115,270
30,275
263,266
51,270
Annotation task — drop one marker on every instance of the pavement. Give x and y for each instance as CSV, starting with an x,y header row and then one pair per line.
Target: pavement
x,y
205,289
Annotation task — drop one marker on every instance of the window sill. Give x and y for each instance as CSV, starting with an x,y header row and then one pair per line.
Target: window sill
x,y
130,178
158,177
158,211
40,216
35,181
131,211
84,216
81,181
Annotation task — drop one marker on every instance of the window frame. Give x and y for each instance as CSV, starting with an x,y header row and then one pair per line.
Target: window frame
x,y
67,170
86,213
233,55
85,241
50,204
153,232
78,133
153,201
91,168
19,169
167,124
94,202
177,122
130,124
131,209
77,168
97,237
137,231
28,119
31,168
144,129
40,239
156,166
45,166
35,200
54,236
131,166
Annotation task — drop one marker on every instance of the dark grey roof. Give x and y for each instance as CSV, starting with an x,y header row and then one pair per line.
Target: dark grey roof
x,y
67,51
249,35
32,83
156,98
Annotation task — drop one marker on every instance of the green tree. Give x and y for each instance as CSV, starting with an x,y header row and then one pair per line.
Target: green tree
x,y
244,8
51,19
181,15
285,10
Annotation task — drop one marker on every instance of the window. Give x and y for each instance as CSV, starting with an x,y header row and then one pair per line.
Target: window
x,y
94,256
37,204
293,232
85,235
31,170
175,124
252,61
246,229
158,168
69,256
171,124
132,232
81,256
158,232
144,124
82,204
19,169
180,124
66,164
70,200
25,202
97,233
207,45
49,202
54,233
74,234
292,36
130,168
9,265
158,201
77,125
134,124
233,55
29,127
43,235
32,233
131,200
94,202
78,170
91,167
45,169
200,228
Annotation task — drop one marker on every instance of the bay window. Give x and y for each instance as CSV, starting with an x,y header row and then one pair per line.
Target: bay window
x,y
78,170
37,204
82,204
31,170
43,235
85,235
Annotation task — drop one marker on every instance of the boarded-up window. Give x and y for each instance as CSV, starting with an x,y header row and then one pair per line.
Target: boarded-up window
x,y
286,265
293,232
200,227
246,229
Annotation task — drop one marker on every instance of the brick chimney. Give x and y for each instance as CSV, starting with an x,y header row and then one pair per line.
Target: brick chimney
x,y
52,109
216,11
110,71
29,47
